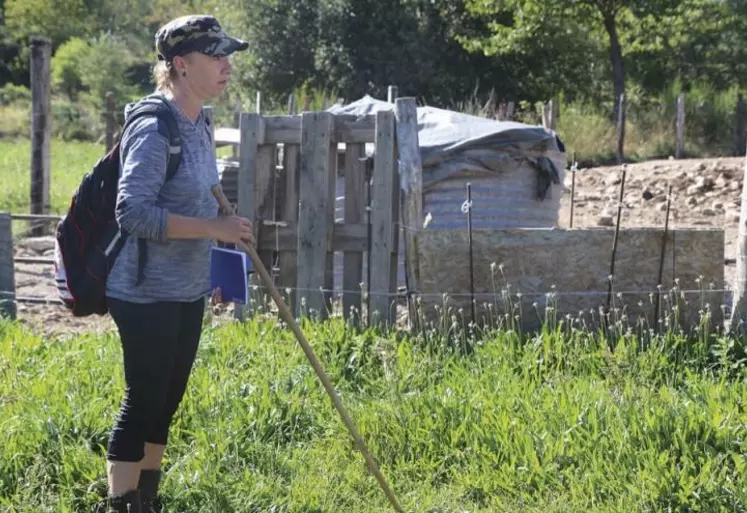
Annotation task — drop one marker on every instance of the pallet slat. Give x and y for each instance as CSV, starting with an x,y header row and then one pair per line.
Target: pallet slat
x,y
381,220
313,231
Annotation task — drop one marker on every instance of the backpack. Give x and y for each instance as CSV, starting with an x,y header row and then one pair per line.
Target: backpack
x,y
88,237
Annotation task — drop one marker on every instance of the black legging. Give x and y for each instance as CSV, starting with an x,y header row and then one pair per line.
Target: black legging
x,y
159,343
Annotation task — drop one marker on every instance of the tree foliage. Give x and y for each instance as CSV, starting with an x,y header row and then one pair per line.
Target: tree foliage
x,y
439,50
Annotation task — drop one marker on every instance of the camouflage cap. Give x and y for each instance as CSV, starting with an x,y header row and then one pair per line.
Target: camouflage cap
x,y
195,33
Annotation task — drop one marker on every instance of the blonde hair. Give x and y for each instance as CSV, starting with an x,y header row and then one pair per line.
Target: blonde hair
x,y
164,75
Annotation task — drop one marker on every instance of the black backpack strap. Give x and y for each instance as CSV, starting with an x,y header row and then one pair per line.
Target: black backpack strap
x,y
168,126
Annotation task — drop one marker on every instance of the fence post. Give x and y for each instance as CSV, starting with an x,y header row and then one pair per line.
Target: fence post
x,y
110,122
41,49
411,186
621,128
680,127
392,93
739,135
739,301
7,273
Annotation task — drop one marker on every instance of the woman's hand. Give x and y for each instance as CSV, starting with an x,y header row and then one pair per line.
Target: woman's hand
x,y
232,229
216,297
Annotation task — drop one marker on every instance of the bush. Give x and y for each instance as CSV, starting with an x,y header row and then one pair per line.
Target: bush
x,y
75,120
105,70
66,66
11,94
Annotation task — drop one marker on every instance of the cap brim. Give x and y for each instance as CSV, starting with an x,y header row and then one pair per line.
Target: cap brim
x,y
225,46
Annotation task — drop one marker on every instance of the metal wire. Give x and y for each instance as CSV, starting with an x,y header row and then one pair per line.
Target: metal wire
x,y
499,294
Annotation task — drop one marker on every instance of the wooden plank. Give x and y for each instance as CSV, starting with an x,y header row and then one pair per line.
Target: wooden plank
x,y
345,237
7,272
329,271
36,217
263,195
352,273
34,260
313,229
396,221
411,185
250,127
355,129
381,219
287,257
287,129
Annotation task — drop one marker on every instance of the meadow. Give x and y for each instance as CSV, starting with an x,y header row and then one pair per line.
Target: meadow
x,y
563,420
555,422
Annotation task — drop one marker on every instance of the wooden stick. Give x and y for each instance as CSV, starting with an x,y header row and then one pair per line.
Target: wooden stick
x,y
661,259
614,241
285,313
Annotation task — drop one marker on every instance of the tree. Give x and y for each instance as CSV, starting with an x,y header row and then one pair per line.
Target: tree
x,y
529,26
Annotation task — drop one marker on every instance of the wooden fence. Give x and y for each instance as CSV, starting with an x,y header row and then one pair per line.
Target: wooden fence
x,y
285,185
288,166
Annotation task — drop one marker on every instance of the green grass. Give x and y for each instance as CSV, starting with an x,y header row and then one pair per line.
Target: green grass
x,y
551,423
69,161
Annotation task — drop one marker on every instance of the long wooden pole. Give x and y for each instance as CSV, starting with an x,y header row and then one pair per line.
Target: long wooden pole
x,y
285,313
40,128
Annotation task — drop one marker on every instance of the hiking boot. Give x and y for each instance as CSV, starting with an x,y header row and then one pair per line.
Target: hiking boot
x,y
148,488
128,502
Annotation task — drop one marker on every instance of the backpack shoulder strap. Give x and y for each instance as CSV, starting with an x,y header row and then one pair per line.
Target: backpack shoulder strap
x,y
153,105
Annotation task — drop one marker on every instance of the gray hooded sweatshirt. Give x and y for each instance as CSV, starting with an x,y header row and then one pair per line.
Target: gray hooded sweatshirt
x,y
176,269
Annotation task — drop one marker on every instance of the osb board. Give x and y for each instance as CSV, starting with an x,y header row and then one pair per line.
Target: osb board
x,y
574,265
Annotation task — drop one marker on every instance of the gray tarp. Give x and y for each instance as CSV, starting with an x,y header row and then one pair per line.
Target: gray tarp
x,y
452,141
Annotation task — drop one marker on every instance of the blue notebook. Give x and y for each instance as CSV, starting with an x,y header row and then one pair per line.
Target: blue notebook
x,y
229,270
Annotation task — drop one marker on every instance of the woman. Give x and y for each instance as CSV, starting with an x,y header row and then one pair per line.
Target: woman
x,y
159,316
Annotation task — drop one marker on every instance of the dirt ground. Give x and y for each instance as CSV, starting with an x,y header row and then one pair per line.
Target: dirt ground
x,y
705,192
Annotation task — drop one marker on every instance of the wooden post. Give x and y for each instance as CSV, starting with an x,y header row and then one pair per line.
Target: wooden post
x,y
110,121
249,138
259,102
7,273
739,300
41,49
291,104
381,219
314,232
392,93
510,111
550,115
680,127
411,185
739,132
621,129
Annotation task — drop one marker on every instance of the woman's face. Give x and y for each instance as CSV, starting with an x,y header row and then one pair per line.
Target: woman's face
x,y
207,75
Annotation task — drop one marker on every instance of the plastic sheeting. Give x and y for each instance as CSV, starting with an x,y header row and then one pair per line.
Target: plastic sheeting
x,y
451,142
